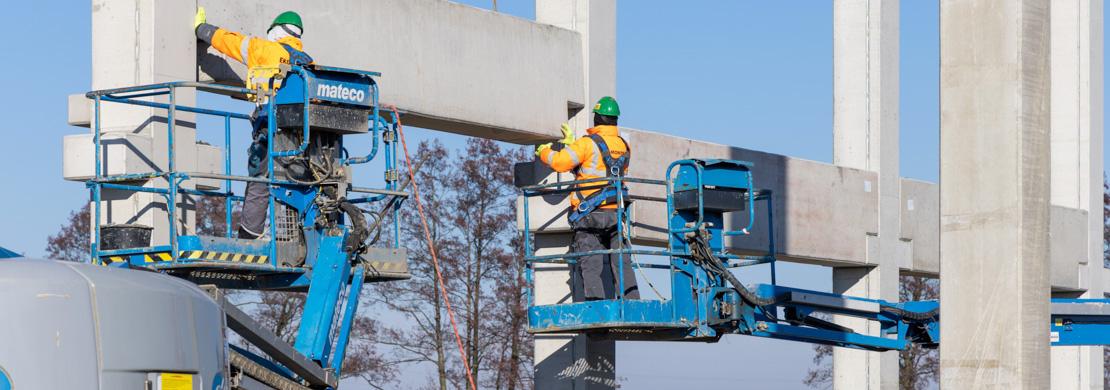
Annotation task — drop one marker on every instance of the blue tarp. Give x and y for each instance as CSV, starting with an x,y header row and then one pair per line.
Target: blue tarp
x,y
5,253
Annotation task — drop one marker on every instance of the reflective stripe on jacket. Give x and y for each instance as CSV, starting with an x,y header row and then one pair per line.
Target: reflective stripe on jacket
x,y
261,56
584,155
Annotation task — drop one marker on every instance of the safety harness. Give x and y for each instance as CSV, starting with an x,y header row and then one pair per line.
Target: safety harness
x,y
297,57
614,167
264,76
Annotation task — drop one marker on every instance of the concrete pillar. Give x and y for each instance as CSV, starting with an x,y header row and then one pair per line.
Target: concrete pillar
x,y
994,194
865,136
570,361
142,42
1076,133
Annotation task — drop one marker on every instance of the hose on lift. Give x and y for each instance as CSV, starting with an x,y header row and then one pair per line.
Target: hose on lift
x,y
356,238
700,249
703,254
391,202
912,315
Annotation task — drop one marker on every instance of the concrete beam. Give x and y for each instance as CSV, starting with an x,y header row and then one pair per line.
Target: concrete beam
x,y
823,213
448,66
994,194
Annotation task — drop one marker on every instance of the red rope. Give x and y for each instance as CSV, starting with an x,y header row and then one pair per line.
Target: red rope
x,y
431,247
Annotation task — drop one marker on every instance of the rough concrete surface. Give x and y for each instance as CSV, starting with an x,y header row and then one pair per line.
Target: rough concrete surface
x,y
994,197
505,78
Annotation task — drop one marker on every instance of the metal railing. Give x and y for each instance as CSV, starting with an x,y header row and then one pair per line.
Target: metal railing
x,y
625,223
174,178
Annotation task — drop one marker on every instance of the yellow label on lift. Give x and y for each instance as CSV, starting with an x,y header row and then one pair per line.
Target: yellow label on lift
x,y
175,381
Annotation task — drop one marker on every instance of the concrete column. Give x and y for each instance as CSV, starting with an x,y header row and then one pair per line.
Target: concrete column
x,y
136,43
570,361
865,136
994,194
1076,134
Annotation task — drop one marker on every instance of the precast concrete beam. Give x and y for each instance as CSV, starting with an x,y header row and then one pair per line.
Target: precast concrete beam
x,y
447,66
823,213
994,194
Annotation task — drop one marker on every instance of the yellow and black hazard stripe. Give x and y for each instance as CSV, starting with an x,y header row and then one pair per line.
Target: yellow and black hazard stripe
x,y
224,256
112,260
157,257
191,255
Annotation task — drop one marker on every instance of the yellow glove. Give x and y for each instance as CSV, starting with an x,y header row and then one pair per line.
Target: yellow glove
x,y
568,135
542,147
200,18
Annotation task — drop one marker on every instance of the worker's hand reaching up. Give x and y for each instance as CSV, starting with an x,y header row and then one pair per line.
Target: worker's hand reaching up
x,y
568,135
542,147
201,18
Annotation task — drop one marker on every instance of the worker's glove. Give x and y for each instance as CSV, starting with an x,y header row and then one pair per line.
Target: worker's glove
x,y
201,18
568,135
542,147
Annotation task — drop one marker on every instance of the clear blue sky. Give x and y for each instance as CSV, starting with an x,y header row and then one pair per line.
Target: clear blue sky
x,y
755,74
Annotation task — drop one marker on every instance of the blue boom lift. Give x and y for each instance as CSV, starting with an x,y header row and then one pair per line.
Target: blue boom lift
x,y
318,240
707,300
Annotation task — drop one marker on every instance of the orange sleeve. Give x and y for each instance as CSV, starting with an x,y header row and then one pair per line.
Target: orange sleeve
x,y
570,157
231,43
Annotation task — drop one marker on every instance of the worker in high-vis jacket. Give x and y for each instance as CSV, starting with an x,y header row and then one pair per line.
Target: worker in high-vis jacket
x,y
263,56
593,214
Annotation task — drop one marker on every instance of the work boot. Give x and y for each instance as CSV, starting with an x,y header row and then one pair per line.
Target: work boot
x,y
246,234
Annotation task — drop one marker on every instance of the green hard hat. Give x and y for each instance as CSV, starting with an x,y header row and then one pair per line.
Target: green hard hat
x,y
607,106
288,17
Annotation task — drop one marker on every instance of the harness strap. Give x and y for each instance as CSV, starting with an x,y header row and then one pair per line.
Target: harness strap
x,y
614,167
297,57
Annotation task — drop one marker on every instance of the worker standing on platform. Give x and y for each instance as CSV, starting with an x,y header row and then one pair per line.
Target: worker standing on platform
x,y
602,153
282,45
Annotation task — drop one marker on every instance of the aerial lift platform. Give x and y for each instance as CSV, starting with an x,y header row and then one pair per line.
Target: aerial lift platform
x,y
707,299
318,239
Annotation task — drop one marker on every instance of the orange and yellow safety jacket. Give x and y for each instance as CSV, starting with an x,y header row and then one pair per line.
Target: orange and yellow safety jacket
x,y
584,157
261,56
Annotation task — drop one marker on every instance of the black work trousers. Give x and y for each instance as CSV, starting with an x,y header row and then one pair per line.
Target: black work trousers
x,y
256,200
598,231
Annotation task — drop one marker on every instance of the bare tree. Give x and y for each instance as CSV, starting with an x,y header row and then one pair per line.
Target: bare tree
x,y
424,337
820,377
469,200
512,359
71,242
482,197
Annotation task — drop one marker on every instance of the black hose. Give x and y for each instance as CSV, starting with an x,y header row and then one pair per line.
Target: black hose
x,y
912,315
700,249
703,254
359,232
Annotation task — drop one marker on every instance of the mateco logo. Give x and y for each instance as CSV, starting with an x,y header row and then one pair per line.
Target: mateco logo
x,y
340,92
